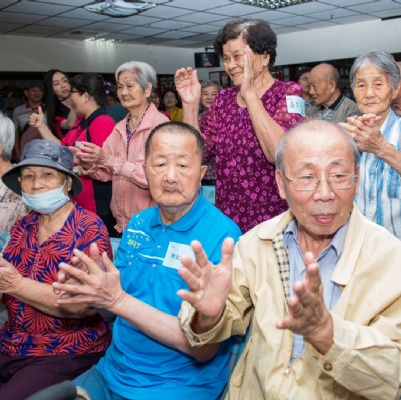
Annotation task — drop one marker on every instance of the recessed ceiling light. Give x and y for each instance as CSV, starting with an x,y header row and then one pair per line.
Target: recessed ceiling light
x,y
118,8
271,4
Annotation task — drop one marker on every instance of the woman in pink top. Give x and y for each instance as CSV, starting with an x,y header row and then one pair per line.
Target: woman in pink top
x,y
121,159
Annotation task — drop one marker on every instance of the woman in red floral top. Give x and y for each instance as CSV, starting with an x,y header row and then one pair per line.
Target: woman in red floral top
x,y
245,123
43,344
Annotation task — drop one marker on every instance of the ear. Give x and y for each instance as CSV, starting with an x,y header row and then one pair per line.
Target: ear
x,y
265,59
396,91
69,184
280,184
203,171
148,89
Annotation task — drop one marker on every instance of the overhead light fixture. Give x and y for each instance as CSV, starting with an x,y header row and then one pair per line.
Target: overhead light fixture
x,y
271,4
119,8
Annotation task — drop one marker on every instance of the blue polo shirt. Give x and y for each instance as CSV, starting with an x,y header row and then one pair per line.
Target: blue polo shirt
x,y
135,365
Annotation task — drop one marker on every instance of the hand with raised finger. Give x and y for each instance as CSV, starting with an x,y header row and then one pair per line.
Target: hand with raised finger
x,y
209,284
99,288
308,315
187,85
36,120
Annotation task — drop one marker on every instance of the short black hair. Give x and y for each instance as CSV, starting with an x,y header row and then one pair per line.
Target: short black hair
x,y
255,32
177,128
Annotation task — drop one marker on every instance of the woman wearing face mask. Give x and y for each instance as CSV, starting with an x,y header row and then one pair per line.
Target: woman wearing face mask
x,y
43,344
94,125
61,115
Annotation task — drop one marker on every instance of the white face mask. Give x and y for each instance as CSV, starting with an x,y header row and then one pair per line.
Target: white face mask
x,y
47,202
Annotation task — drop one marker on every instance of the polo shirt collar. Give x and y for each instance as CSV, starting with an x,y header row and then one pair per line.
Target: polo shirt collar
x,y
187,221
87,121
335,104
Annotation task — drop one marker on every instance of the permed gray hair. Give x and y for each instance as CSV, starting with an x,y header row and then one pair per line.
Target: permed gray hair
x,y
210,82
311,125
380,59
144,72
7,137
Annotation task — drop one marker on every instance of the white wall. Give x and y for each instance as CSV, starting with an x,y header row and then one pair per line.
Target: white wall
x,y
345,41
31,54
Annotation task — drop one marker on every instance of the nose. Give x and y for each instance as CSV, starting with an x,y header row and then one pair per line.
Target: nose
x,y
37,183
171,175
369,91
323,192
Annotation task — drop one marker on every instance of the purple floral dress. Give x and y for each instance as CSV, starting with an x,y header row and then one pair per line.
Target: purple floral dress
x,y
246,190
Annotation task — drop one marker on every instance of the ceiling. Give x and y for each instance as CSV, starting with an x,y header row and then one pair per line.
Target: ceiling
x,y
178,23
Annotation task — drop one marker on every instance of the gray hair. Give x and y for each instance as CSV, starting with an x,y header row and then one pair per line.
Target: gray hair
x,y
209,82
315,125
7,137
144,72
380,59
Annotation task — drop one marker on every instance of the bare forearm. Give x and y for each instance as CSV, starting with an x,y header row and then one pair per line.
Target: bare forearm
x,y
70,121
160,326
46,133
191,114
268,131
42,297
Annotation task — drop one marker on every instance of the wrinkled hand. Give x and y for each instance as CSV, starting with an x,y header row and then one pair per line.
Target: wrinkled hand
x,y
308,315
10,278
209,285
188,86
101,288
366,132
90,154
247,85
37,119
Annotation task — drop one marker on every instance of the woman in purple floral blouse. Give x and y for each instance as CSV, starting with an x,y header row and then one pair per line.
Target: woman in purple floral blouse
x,y
246,122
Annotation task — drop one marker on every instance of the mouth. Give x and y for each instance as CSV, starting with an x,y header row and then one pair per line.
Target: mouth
x,y
324,219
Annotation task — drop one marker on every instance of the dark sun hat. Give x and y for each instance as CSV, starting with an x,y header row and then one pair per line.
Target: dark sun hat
x,y
44,153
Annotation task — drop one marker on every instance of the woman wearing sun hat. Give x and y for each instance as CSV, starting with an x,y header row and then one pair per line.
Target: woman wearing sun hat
x,y
42,344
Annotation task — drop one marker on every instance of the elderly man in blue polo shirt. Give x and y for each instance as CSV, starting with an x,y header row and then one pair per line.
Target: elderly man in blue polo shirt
x,y
150,357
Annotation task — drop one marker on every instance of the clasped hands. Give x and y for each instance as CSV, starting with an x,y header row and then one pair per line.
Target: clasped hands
x,y
365,130
209,287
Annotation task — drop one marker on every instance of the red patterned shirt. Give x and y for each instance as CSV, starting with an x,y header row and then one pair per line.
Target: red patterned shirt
x,y
30,332
246,189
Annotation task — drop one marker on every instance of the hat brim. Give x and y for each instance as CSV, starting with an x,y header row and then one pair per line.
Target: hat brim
x,y
10,178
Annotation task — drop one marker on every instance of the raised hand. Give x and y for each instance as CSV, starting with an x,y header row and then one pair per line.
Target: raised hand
x,y
37,119
308,314
188,86
209,284
99,281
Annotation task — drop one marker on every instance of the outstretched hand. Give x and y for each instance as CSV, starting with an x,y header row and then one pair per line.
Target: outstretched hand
x,y
97,282
209,284
187,84
308,314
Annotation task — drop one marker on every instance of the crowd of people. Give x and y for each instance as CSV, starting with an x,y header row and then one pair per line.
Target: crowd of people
x,y
300,253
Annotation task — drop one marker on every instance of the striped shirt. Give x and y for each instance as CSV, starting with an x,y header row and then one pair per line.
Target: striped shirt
x,y
379,195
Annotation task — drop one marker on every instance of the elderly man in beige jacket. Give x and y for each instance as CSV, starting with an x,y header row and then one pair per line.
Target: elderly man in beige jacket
x,y
318,286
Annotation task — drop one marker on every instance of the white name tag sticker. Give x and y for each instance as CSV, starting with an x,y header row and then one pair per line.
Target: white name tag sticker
x,y
174,253
295,105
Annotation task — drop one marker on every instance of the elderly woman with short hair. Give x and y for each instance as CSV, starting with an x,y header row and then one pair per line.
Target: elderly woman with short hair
x,y
42,344
122,157
375,80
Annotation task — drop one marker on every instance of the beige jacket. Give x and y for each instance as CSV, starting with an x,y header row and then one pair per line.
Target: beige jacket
x,y
364,361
